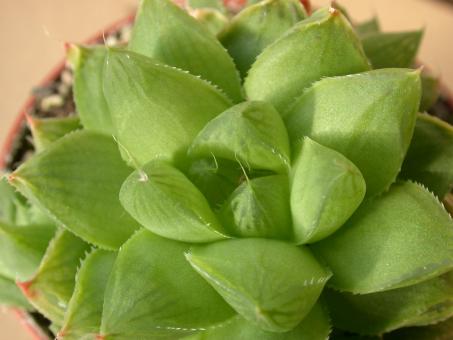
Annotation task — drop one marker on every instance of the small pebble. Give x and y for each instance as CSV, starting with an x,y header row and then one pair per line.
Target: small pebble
x,y
64,89
51,102
66,77
125,33
68,66
43,91
111,41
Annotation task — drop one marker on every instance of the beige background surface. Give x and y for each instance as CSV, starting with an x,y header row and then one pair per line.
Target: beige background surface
x,y
32,33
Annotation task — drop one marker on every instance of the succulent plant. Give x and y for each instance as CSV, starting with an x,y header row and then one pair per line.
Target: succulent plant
x,y
265,175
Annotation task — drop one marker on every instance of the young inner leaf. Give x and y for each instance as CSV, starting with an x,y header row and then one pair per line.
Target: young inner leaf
x,y
167,33
323,45
252,133
367,117
259,208
326,188
163,200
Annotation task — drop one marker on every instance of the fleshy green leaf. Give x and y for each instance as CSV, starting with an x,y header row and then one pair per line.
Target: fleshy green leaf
x,y
215,178
335,4
88,65
14,208
430,156
212,19
11,296
169,34
252,133
386,311
52,285
326,189
259,208
47,130
257,26
154,293
216,4
22,248
323,45
435,313
392,49
439,331
368,117
431,91
315,326
163,200
395,240
77,181
84,313
157,110
270,283
368,27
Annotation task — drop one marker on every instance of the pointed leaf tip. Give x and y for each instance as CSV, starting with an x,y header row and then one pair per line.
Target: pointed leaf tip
x,y
88,63
256,27
405,234
144,293
394,49
163,200
25,287
47,130
259,208
326,189
292,63
270,283
97,216
430,157
157,117
336,112
424,303
333,10
73,54
252,133
11,178
84,312
11,295
193,48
